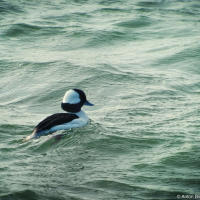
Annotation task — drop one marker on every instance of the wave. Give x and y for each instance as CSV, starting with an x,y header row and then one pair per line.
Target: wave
x,y
25,29
8,7
136,23
29,194
20,195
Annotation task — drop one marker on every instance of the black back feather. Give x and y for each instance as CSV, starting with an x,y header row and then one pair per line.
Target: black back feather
x,y
54,120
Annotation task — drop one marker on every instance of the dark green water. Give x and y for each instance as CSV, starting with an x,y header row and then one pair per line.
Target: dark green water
x,y
138,62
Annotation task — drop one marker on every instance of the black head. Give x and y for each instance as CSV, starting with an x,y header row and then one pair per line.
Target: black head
x,y
73,100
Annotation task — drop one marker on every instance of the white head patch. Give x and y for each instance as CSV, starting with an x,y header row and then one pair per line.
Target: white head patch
x,y
71,97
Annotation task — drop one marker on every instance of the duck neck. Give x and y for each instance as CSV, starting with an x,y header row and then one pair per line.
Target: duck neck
x,y
81,112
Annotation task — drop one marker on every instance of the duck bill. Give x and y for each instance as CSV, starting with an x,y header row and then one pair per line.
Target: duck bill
x,y
87,103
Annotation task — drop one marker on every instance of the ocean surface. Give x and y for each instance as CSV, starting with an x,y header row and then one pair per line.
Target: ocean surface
x,y
138,62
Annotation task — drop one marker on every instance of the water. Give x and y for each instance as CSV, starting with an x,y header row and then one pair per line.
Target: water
x,y
138,62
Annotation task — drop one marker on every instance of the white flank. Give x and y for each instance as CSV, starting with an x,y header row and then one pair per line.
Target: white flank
x,y
76,123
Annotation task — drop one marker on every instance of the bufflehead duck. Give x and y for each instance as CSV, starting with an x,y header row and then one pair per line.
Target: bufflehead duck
x,y
74,117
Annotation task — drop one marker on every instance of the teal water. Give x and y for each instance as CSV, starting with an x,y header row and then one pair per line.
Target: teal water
x,y
138,62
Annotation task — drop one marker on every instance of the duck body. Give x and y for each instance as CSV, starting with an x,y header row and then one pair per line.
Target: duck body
x,y
73,118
